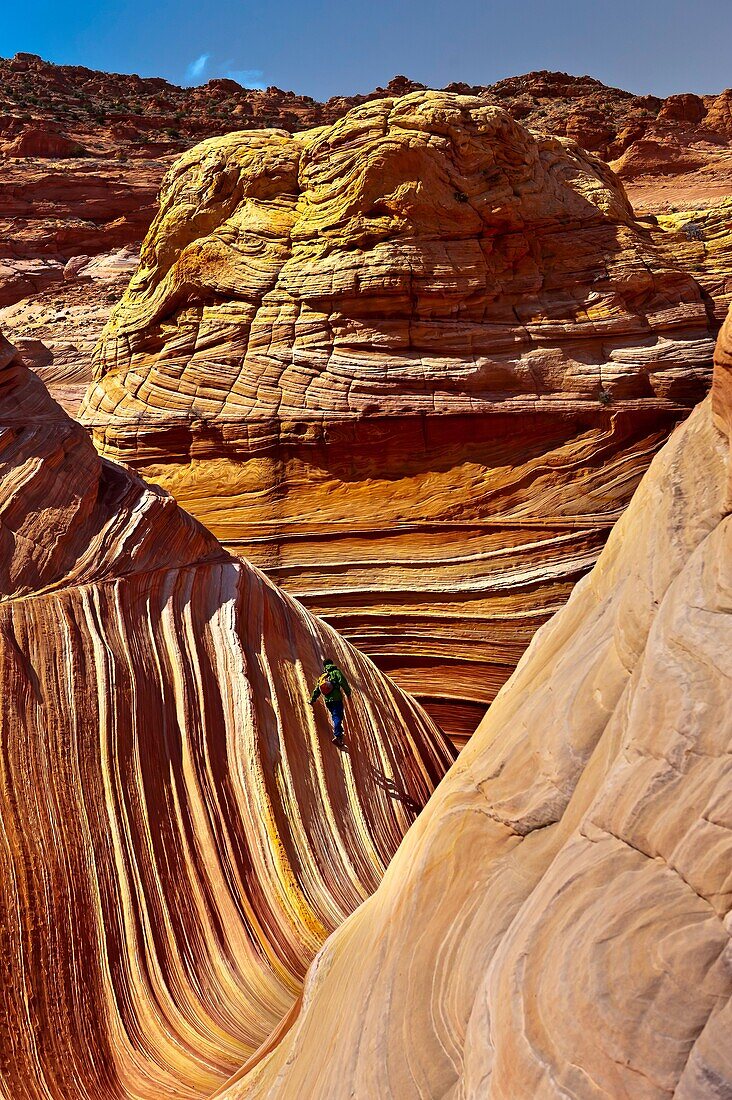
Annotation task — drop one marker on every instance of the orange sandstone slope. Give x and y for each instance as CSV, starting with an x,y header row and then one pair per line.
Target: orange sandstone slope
x,y
177,833
557,922
413,364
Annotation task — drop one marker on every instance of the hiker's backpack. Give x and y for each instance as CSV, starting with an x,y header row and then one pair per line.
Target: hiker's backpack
x,y
325,684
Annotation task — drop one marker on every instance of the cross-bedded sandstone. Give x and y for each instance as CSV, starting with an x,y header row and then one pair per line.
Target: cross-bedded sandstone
x,y
178,835
557,923
413,364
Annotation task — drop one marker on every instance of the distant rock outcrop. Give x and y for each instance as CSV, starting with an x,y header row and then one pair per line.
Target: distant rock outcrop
x,y
147,113
557,923
614,123
413,364
178,835
39,142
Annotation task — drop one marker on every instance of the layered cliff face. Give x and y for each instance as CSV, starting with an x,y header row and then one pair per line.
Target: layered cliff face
x,y
413,365
177,833
557,923
51,212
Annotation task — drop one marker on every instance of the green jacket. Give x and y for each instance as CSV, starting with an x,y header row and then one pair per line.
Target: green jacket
x,y
340,683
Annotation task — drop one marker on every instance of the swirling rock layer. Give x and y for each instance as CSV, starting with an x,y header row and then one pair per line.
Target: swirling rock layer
x,y
83,151
557,923
83,154
413,364
177,833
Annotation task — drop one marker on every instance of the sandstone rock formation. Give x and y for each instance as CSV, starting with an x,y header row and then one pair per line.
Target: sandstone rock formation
x,y
129,128
38,142
118,134
557,923
177,833
413,365
109,111
51,211
699,240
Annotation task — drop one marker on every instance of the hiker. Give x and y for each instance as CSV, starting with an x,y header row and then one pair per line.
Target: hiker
x,y
331,685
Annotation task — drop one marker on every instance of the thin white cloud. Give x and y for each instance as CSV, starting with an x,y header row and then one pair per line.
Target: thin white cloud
x,y
248,78
200,71
196,69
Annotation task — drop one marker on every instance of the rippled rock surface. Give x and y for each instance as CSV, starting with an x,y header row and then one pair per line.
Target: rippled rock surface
x,y
178,835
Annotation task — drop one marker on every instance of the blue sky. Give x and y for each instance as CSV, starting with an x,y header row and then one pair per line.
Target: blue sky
x,y
325,47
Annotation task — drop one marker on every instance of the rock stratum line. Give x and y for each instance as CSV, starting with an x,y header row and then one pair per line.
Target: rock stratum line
x,y
557,922
413,364
177,834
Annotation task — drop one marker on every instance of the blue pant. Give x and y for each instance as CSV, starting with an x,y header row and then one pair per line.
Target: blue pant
x,y
336,714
